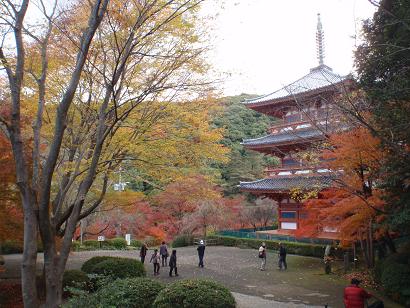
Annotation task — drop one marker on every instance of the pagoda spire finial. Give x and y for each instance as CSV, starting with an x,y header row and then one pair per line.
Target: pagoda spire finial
x,y
320,41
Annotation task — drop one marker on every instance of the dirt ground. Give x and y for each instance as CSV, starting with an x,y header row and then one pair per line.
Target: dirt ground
x,y
303,284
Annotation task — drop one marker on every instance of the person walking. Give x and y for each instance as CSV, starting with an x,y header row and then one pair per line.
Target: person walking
x,y
201,253
163,251
155,259
282,257
354,296
143,252
173,263
262,256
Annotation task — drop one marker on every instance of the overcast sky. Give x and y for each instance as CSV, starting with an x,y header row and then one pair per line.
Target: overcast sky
x,y
262,45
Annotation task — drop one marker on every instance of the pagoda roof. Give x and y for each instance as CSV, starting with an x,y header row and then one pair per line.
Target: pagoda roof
x,y
285,137
285,183
320,77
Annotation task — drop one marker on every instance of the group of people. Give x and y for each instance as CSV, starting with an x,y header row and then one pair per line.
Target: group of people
x,y
161,257
281,257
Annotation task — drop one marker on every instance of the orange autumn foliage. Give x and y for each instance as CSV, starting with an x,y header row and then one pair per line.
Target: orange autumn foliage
x,y
354,201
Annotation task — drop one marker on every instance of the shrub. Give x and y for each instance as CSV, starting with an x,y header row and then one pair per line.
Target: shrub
x,y
75,245
91,244
116,243
136,243
195,293
75,279
88,265
10,247
183,240
119,268
395,279
124,293
152,241
303,249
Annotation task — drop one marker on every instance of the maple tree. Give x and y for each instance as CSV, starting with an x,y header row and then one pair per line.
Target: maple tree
x,y
355,206
85,68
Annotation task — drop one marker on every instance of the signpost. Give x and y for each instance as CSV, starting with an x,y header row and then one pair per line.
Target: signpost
x,y
101,239
128,239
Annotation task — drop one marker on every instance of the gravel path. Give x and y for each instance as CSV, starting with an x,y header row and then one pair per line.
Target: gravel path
x,y
303,284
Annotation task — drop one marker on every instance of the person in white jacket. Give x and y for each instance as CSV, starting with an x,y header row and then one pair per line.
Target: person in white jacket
x,y
262,256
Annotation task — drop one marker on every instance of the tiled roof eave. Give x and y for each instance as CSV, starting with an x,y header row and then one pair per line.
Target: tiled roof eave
x,y
273,144
292,97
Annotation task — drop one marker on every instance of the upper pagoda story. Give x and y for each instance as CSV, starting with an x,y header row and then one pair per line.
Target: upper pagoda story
x,y
320,83
317,87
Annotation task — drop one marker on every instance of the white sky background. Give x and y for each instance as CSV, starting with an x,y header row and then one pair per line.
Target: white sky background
x,y
261,45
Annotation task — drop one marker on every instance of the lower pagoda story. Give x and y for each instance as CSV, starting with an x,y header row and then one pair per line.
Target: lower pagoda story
x,y
290,212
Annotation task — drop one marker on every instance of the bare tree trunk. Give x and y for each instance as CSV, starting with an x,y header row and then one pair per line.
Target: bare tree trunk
x,y
29,262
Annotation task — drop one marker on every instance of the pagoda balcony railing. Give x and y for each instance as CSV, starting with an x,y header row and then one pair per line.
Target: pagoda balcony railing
x,y
294,170
283,126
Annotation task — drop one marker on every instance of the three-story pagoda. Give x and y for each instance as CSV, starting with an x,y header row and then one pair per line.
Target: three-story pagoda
x,y
306,114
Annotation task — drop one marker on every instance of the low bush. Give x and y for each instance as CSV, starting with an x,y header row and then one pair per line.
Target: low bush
x,y
136,243
195,293
10,294
75,279
183,240
152,241
395,279
119,268
75,246
303,249
88,265
124,293
10,247
91,244
116,243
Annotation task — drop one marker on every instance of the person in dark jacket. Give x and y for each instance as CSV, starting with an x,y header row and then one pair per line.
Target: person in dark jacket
x,y
201,253
163,251
354,296
282,257
173,263
143,252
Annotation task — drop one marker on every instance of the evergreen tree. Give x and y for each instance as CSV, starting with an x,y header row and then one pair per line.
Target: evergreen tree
x,y
383,66
241,123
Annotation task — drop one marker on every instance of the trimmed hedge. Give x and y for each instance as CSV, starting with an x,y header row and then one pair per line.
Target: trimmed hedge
x,y
195,293
136,243
91,244
75,279
303,249
119,268
88,265
11,247
116,243
124,293
183,240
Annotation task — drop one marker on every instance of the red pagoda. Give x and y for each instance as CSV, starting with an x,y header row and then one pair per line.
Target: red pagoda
x,y
305,110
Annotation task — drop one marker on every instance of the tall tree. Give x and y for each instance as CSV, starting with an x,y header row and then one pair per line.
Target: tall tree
x,y
88,68
383,66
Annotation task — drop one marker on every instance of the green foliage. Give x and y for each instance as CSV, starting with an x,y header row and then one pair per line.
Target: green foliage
x,y
395,279
383,66
195,293
75,246
91,244
75,279
119,268
88,265
124,293
116,243
302,249
10,247
136,243
183,240
241,123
